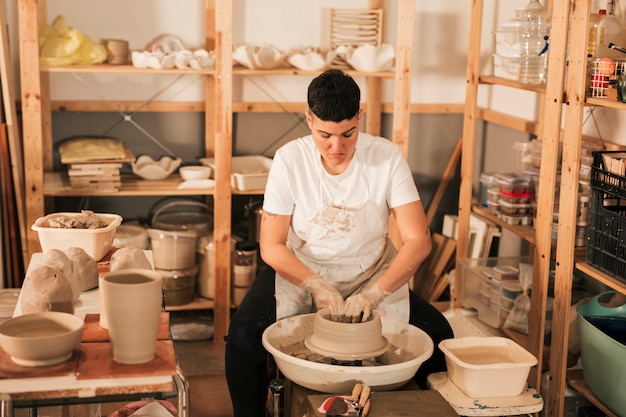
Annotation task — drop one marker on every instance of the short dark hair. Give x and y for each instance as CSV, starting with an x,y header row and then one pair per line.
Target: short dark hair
x,y
334,96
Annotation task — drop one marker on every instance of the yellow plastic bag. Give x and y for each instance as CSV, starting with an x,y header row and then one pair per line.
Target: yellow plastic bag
x,y
61,45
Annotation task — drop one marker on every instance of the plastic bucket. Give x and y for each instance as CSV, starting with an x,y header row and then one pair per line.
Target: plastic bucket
x,y
179,286
602,332
173,249
169,216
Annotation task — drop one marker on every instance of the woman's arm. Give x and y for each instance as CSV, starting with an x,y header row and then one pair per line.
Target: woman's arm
x,y
415,233
274,251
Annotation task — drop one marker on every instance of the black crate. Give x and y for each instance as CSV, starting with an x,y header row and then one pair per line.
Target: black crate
x,y
606,244
603,179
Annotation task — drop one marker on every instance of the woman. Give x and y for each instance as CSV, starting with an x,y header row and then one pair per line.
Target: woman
x,y
324,236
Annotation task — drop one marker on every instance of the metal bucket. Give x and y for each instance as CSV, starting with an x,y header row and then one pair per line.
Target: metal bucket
x,y
254,211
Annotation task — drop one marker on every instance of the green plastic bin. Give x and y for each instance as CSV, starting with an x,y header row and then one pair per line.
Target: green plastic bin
x,y
602,332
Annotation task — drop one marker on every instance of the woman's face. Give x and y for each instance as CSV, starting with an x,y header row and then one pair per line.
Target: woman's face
x,y
336,142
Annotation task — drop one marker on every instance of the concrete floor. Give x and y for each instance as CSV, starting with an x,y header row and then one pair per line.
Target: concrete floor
x,y
202,363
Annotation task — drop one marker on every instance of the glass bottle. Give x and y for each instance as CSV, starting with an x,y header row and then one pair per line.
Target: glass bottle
x,y
534,45
594,20
609,31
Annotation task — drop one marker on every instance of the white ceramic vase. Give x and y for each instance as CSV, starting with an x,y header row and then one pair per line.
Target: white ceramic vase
x,y
131,301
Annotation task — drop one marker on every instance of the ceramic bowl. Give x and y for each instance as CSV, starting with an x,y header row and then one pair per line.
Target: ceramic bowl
x,y
258,56
370,58
149,169
346,341
195,172
309,59
41,339
325,377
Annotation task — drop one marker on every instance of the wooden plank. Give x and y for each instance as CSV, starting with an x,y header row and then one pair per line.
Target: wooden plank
x,y
403,64
570,169
28,13
435,266
10,118
223,166
445,180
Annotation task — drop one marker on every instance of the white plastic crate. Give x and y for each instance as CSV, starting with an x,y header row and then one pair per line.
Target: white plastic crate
x,y
603,74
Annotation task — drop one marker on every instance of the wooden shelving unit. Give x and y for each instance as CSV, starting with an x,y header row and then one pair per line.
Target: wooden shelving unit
x,y
42,184
566,259
562,91
547,129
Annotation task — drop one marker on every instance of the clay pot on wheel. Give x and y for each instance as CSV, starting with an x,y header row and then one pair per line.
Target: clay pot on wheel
x,y
346,341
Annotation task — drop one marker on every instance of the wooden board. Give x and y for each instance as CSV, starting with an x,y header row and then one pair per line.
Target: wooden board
x,y
95,334
96,361
10,118
431,278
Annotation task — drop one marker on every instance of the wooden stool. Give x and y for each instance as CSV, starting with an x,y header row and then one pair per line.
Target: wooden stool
x,y
529,401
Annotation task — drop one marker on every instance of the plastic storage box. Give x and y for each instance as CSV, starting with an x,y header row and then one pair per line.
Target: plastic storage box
x,y
487,367
249,172
606,246
96,242
602,333
480,290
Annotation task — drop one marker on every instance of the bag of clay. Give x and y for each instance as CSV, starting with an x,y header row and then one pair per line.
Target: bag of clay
x,y
46,290
518,317
61,45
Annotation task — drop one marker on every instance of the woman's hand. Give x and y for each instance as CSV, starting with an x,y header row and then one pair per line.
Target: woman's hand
x,y
358,307
324,295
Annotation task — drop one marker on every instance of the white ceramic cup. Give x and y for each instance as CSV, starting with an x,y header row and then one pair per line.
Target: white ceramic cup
x,y
131,301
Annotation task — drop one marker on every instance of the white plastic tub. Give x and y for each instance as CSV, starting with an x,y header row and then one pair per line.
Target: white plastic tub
x,y
249,172
486,367
96,242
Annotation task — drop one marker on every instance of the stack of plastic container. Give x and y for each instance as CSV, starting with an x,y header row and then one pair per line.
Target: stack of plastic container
x,y
506,59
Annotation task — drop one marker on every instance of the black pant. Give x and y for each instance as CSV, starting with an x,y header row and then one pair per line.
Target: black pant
x,y
246,358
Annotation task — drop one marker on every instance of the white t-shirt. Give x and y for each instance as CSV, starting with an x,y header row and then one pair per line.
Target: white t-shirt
x,y
378,177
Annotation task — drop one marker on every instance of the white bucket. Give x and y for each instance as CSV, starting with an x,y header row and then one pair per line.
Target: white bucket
x,y
173,249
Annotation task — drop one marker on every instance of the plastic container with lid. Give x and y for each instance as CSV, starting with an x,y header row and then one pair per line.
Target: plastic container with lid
x,y
517,198
505,273
516,208
488,181
179,286
515,183
524,153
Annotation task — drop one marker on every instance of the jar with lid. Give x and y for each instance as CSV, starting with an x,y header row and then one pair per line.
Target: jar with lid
x,y
244,263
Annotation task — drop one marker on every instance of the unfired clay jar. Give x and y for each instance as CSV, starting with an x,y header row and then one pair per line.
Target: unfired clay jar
x,y
346,341
132,303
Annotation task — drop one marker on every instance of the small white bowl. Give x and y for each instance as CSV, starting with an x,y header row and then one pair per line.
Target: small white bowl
x,y
41,339
195,172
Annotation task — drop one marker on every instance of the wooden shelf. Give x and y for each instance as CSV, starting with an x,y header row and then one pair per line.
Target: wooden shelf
x,y
489,79
199,303
57,185
602,102
240,70
598,275
576,380
120,69
525,232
